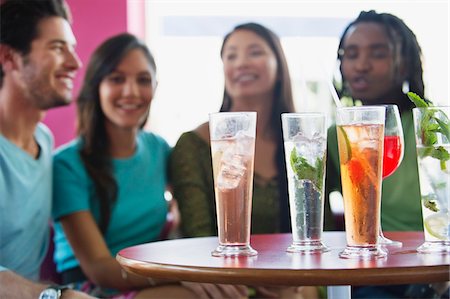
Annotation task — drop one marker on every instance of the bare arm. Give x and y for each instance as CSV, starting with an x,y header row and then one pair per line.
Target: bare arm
x,y
103,269
93,254
13,286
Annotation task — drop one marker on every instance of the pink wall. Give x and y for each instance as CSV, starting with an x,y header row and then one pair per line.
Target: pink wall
x,y
93,22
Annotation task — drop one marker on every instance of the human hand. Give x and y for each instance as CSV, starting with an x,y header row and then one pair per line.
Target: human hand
x,y
266,292
209,290
286,292
71,294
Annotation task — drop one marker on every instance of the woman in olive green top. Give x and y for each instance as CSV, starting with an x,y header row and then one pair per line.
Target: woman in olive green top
x,y
256,79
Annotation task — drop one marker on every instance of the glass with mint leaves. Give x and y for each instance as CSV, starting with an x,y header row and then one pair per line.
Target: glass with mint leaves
x,y
432,130
305,139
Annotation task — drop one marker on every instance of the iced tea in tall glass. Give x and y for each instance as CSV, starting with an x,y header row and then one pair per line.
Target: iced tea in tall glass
x,y
360,132
233,150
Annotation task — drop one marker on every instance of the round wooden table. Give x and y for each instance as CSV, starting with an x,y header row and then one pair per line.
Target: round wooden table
x,y
190,260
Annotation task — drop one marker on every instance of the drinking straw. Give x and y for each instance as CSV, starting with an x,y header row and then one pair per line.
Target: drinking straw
x,y
334,94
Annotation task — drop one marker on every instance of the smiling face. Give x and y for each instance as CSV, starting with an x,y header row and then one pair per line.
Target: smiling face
x,y
47,72
368,64
250,66
126,93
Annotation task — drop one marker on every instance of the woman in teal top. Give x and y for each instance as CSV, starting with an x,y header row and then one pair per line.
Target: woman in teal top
x,y
139,211
109,183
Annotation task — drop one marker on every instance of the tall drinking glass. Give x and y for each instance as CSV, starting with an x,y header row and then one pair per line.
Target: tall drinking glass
x,y
305,136
360,132
392,154
432,128
233,151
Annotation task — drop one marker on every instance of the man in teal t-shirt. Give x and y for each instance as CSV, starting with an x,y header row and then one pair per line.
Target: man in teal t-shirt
x,y
25,202
37,67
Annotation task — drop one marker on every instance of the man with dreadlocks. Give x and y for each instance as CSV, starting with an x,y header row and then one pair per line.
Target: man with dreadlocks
x,y
380,60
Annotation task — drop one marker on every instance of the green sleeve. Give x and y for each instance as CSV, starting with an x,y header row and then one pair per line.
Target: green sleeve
x,y
400,203
192,180
333,176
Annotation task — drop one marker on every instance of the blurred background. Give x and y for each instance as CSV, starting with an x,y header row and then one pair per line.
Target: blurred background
x,y
185,36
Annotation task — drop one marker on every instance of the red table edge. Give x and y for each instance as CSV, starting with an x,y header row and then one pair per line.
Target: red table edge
x,y
288,277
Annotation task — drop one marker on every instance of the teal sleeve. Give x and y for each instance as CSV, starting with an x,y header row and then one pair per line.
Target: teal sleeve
x,y
159,144
70,184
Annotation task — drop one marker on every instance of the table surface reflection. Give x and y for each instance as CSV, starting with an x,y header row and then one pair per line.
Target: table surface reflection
x,y
190,260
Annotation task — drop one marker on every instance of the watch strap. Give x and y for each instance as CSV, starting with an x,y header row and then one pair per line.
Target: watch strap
x,y
59,289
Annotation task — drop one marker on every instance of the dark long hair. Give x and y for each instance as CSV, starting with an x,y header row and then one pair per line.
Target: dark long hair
x,y
95,149
282,102
404,41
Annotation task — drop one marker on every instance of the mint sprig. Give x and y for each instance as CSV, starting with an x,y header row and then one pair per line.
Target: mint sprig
x,y
418,101
431,125
304,171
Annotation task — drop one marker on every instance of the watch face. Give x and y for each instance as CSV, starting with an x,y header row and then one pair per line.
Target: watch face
x,y
49,294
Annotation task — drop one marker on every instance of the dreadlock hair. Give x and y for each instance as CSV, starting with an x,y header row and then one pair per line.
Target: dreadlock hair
x,y
403,41
282,102
91,128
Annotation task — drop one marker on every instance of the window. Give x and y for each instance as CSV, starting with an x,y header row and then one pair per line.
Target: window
x,y
185,37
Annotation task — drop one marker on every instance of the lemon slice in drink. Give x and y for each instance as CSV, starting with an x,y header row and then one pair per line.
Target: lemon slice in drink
x,y
345,150
437,226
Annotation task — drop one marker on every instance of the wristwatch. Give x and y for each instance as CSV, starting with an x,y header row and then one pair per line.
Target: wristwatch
x,y
52,292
